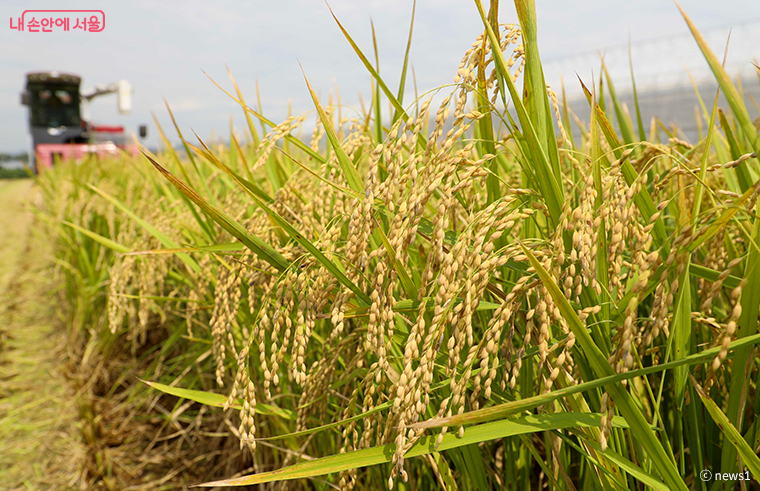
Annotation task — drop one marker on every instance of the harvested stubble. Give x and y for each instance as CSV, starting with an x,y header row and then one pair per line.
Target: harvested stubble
x,y
578,323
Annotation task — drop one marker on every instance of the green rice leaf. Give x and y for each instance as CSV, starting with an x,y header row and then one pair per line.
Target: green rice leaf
x,y
737,441
733,97
601,367
643,199
218,400
290,138
639,123
744,360
115,246
163,238
378,79
349,171
534,86
295,234
537,161
402,81
703,272
248,119
529,403
424,446
376,100
742,174
626,129
628,466
205,226
406,281
318,429
703,163
255,244
681,332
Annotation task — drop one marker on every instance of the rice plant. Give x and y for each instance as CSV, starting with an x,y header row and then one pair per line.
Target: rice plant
x,y
444,296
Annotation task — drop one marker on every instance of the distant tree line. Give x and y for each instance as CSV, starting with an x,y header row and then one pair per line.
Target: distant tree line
x,y
6,157
13,173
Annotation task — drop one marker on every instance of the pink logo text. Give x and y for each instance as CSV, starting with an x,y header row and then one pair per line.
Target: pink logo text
x,y
60,20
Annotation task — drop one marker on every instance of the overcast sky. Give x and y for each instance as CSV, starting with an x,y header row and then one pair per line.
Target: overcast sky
x,y
161,48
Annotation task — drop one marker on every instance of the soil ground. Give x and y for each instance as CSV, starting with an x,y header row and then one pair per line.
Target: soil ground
x,y
40,440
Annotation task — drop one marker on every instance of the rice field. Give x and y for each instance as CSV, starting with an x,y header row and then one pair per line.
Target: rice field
x,y
436,294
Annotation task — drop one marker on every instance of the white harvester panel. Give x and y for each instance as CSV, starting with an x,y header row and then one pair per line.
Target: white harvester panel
x,y
125,97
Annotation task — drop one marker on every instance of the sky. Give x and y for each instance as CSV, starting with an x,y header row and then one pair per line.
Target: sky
x,y
164,48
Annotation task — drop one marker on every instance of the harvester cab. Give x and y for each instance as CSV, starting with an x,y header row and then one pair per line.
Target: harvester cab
x,y
59,120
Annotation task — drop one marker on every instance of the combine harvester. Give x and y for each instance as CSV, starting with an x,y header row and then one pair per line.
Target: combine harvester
x,y
59,119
